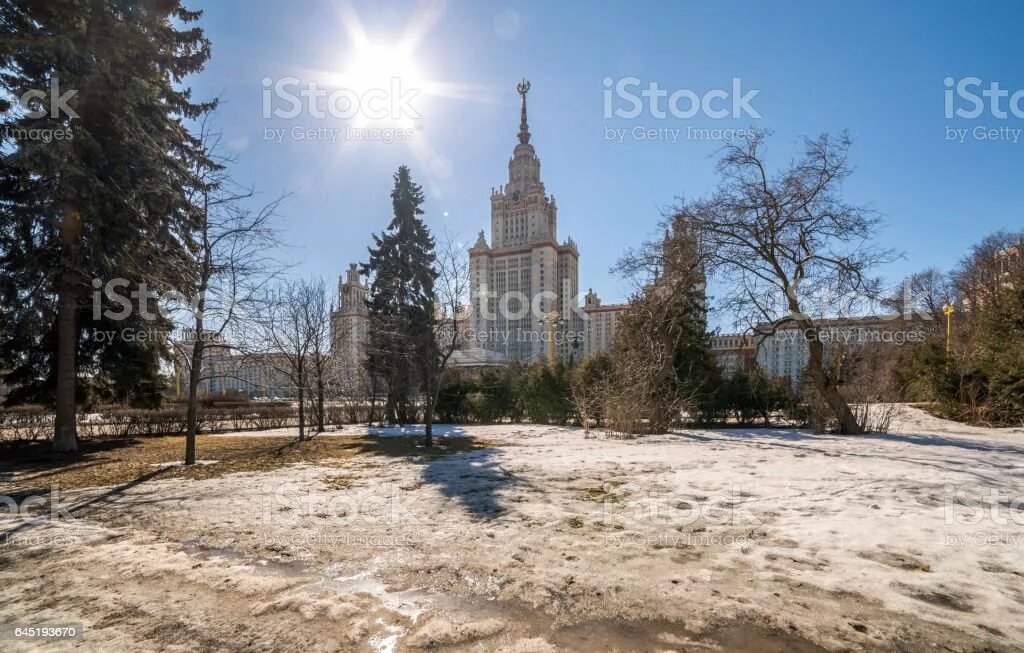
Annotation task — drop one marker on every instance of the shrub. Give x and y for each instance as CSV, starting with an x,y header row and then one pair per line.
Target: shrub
x,y
29,423
20,424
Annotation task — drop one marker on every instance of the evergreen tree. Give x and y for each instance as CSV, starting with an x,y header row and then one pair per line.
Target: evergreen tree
x,y
401,300
103,200
981,378
662,350
545,393
497,399
1000,355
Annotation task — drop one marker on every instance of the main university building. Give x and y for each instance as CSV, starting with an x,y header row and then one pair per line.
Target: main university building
x,y
523,285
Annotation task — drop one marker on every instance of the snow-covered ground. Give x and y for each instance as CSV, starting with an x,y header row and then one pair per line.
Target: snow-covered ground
x,y
546,539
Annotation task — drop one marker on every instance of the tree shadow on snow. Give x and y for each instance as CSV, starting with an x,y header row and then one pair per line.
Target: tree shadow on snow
x,y
474,479
439,431
460,466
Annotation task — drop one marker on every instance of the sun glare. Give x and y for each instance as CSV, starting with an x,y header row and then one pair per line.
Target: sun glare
x,y
383,69
396,65
375,66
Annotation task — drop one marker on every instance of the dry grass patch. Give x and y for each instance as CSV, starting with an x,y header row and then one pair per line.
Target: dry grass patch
x,y
114,462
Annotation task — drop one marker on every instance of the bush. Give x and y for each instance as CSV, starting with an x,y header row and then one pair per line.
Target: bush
x,y
20,424
591,380
30,423
544,393
134,422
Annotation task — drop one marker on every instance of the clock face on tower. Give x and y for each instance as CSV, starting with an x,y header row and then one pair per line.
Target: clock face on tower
x,y
515,197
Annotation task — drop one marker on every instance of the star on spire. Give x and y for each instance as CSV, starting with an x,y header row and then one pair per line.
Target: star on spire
x,y
524,130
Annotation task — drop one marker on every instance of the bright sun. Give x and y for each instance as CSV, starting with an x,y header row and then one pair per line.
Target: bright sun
x,y
373,66
389,68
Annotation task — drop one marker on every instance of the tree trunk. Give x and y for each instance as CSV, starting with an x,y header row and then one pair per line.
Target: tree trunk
x,y
199,345
428,422
65,436
847,421
192,414
302,413
430,391
390,416
320,405
372,391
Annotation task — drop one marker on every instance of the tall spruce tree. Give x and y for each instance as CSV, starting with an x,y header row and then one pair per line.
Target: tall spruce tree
x,y
401,299
92,187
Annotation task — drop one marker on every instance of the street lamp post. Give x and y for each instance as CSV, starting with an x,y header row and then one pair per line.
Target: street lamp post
x,y
551,319
948,310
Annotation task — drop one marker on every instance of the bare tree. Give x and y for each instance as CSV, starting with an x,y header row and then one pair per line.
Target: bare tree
x,y
787,247
318,325
232,262
921,297
286,338
590,387
982,275
451,294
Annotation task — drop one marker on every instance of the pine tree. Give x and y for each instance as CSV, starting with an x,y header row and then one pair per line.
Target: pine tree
x,y
401,299
662,353
105,199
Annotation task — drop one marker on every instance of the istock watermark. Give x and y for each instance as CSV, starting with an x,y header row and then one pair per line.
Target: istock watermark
x,y
378,504
971,98
973,505
851,335
385,113
49,103
290,97
644,133
22,510
52,104
632,503
648,98
337,134
677,540
977,516
334,540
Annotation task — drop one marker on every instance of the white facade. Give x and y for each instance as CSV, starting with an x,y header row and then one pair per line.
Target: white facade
x,y
223,371
256,375
733,352
785,352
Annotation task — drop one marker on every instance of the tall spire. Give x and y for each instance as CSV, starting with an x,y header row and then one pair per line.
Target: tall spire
x,y
524,131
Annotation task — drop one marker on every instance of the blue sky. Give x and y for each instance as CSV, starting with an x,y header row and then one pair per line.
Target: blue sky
x,y
874,68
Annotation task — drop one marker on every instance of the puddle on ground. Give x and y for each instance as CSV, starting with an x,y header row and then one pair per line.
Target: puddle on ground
x,y
607,636
291,569
603,636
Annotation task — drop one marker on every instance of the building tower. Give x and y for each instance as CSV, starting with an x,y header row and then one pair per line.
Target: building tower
x,y
524,284
349,330
602,322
